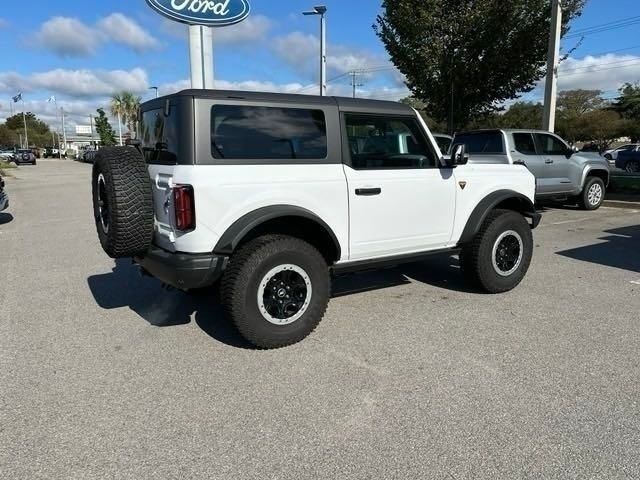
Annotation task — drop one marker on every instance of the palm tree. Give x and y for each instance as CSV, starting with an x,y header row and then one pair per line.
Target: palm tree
x,y
126,106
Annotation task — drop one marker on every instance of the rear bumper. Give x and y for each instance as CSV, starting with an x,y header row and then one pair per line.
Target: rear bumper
x,y
184,271
4,201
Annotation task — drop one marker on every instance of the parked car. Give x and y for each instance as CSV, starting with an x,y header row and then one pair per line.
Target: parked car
x,y
629,161
4,198
270,194
444,142
88,156
561,172
25,156
613,154
7,155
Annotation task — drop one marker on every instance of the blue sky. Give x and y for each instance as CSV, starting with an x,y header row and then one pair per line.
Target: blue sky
x,y
82,51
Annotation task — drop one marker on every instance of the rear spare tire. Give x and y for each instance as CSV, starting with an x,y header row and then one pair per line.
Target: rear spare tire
x,y
122,202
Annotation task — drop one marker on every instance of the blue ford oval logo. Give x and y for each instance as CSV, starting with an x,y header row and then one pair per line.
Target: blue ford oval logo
x,y
212,13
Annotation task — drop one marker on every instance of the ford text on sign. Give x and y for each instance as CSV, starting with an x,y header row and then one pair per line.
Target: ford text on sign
x,y
212,13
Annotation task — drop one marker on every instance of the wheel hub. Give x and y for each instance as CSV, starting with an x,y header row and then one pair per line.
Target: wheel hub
x,y
284,294
595,194
103,206
508,251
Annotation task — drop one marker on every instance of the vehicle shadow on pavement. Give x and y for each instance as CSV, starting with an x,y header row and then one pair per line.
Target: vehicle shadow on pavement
x,y
442,271
5,218
619,250
125,287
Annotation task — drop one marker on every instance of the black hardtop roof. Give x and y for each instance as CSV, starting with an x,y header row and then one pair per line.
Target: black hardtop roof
x,y
342,102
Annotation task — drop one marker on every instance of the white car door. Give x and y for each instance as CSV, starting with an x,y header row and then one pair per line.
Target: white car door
x,y
400,201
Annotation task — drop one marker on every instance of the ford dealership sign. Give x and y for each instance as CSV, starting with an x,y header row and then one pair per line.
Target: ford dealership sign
x,y
211,13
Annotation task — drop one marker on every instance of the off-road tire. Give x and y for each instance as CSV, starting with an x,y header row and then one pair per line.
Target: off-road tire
x,y
476,258
241,283
585,203
128,198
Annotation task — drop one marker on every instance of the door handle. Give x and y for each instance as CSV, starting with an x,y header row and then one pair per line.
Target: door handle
x,y
548,161
368,192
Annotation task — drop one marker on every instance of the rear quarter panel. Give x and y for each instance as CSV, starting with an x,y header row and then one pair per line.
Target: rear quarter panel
x,y
225,193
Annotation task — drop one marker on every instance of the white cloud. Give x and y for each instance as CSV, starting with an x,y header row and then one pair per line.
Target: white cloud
x,y
90,83
67,37
246,86
120,29
606,72
76,83
250,31
301,52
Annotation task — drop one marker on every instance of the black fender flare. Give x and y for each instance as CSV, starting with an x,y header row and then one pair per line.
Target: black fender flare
x,y
522,204
232,237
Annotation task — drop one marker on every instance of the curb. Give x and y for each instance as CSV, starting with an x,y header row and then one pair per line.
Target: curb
x,y
621,204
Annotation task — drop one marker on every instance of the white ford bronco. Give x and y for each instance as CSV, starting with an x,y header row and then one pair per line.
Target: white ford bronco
x,y
269,195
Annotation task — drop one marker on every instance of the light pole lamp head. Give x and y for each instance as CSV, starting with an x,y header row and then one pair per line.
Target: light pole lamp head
x,y
317,10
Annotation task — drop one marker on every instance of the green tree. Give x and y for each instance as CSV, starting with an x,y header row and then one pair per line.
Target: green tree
x,y
126,106
466,57
38,131
104,129
421,107
523,115
601,126
572,105
628,105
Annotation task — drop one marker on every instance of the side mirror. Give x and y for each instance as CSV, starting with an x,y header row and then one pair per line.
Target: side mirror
x,y
571,151
459,155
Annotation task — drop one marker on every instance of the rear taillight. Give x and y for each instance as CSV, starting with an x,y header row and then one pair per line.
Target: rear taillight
x,y
185,207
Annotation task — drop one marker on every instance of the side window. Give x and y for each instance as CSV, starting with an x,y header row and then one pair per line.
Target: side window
x,y
387,142
267,133
550,145
524,143
159,138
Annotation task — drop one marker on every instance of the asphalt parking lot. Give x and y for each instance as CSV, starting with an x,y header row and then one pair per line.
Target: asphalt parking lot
x,y
411,375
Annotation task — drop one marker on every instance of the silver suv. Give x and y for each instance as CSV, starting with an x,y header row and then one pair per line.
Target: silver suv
x,y
561,172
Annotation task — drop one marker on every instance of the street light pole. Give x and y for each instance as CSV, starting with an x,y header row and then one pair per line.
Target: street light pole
x,y
24,119
321,10
551,85
156,89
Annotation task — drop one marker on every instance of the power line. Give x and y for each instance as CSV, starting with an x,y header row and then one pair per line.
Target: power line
x,y
605,27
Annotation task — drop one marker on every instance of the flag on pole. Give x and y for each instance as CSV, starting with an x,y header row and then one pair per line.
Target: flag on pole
x,y
52,99
17,98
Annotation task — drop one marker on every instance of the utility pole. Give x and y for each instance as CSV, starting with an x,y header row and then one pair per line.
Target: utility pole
x,y
354,83
21,144
551,86
321,10
24,119
64,131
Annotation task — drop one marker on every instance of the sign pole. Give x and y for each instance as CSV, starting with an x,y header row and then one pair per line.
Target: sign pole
x,y
195,56
207,57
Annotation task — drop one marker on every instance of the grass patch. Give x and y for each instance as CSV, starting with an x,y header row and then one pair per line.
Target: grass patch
x,y
4,166
630,184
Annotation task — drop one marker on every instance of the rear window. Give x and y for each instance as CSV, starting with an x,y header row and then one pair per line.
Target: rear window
x,y
482,142
159,137
267,133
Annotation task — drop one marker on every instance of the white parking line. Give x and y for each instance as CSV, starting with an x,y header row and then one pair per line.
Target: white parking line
x,y
571,221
